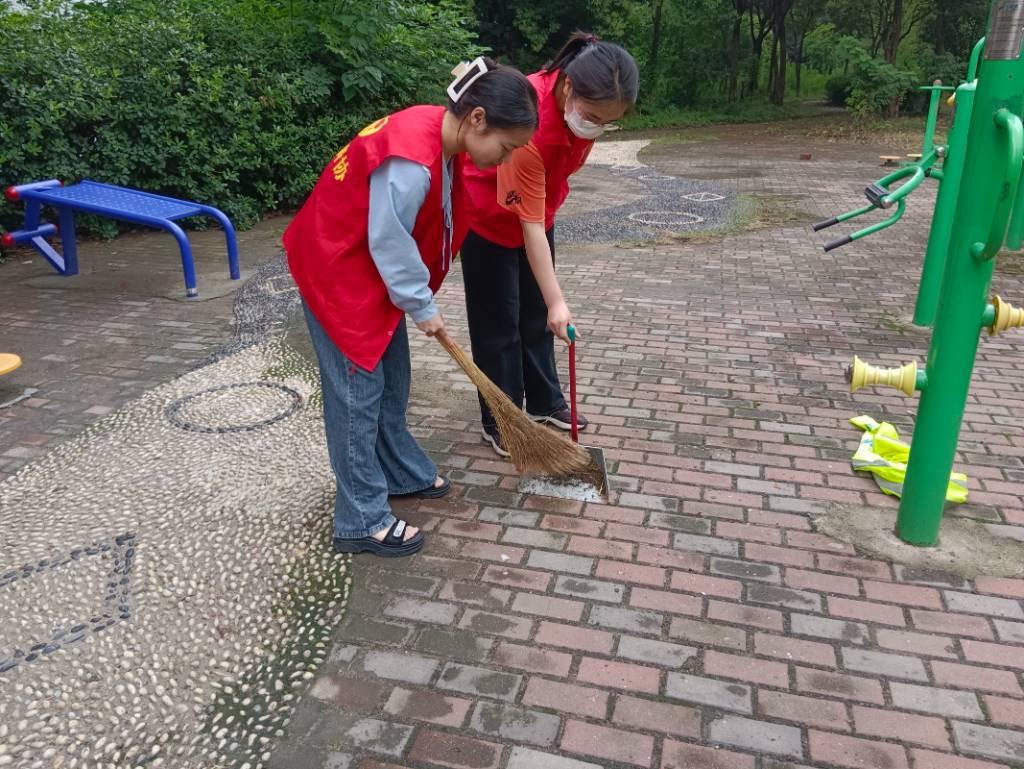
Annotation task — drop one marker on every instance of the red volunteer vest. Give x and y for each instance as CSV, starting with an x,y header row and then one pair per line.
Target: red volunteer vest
x,y
563,154
327,246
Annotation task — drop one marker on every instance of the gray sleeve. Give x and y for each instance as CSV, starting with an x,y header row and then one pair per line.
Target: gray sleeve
x,y
398,188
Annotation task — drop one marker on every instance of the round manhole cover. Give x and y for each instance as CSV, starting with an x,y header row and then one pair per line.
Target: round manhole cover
x,y
666,218
234,408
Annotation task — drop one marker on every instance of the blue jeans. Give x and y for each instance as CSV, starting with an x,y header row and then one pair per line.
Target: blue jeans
x,y
372,452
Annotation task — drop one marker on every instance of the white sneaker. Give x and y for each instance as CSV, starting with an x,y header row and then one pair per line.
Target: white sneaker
x,y
495,441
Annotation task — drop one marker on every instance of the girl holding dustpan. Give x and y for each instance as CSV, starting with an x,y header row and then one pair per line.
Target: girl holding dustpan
x,y
372,243
514,303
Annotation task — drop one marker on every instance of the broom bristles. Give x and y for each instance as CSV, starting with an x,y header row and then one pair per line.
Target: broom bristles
x,y
533,447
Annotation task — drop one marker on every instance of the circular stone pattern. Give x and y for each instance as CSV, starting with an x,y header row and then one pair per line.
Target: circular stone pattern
x,y
704,197
666,218
234,408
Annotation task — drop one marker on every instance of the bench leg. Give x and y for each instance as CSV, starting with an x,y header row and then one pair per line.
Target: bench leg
x,y
67,240
229,235
187,265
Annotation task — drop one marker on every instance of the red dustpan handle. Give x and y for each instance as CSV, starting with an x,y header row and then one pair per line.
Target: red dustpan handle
x,y
572,383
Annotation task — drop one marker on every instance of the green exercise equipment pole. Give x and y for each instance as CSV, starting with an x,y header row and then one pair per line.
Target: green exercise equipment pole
x,y
980,207
936,89
945,208
984,206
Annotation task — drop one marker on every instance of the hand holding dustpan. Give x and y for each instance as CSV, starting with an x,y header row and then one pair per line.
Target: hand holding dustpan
x,y
552,465
586,484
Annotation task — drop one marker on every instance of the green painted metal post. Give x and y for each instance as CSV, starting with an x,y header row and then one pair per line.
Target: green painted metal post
x,y
991,173
933,116
972,65
945,207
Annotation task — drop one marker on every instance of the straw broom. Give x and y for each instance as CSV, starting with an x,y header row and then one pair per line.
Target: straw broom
x,y
533,447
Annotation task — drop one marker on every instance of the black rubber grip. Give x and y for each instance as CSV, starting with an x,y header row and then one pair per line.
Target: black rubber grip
x,y
834,244
824,224
874,193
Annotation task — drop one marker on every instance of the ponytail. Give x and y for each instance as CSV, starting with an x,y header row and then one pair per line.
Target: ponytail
x,y
572,48
599,71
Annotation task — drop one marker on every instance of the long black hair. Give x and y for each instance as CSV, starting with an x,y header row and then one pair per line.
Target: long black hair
x,y
600,71
507,97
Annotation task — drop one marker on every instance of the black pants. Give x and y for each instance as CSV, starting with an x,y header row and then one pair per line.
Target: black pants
x,y
508,325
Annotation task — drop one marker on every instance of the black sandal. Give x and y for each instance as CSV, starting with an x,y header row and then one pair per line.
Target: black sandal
x,y
392,546
431,492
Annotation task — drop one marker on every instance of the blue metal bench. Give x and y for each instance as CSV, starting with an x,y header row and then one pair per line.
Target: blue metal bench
x,y
116,203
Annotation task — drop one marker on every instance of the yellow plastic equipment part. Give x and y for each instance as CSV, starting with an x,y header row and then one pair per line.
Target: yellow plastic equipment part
x,y
8,362
1007,316
862,374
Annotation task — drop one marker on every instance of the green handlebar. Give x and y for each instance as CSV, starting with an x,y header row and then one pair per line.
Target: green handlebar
x,y
879,196
972,66
1011,124
901,206
571,331
1015,232
842,218
907,187
917,173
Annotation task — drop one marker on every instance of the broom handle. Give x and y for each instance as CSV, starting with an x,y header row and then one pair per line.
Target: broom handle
x,y
572,383
476,376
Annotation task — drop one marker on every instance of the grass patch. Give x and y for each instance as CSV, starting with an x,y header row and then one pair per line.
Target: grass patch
x,y
901,132
740,112
750,213
684,137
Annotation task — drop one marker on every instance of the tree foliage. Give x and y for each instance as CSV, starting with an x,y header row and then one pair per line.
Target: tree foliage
x,y
240,102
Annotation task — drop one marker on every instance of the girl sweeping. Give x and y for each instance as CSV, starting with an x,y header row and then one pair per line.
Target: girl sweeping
x,y
514,303
373,242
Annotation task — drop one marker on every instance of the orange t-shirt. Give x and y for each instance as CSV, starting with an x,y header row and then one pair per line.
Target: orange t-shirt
x,y
521,184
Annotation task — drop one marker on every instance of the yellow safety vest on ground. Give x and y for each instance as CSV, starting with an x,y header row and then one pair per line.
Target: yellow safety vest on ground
x,y
885,456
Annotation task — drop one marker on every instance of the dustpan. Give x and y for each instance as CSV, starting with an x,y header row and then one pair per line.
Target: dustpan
x,y
589,485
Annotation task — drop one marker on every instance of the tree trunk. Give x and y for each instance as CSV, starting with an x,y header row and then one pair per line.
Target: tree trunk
x,y
655,43
939,28
756,44
734,56
799,62
892,45
772,68
894,32
777,93
783,60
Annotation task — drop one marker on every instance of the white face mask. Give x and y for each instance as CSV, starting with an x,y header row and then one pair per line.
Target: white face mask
x,y
581,127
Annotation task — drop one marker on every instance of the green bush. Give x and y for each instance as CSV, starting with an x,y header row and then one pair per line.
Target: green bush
x,y
237,103
837,90
875,84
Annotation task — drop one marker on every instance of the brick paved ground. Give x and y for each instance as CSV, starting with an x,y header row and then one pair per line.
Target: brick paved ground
x,y
697,621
